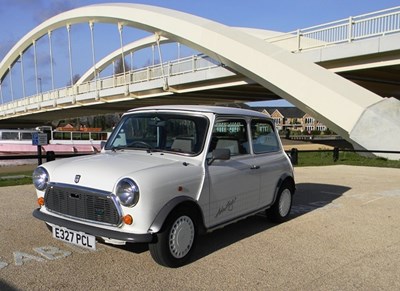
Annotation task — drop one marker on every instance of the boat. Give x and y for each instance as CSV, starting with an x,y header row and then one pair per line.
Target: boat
x,y
65,140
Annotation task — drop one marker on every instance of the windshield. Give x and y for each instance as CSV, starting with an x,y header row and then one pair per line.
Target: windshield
x,y
178,133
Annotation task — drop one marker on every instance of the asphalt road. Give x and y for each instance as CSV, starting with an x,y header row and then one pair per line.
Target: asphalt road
x,y
343,235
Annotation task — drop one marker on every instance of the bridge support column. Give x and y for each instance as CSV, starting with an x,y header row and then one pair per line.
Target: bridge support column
x,y
378,128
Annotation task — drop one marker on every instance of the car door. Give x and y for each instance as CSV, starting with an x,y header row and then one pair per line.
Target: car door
x,y
235,183
269,158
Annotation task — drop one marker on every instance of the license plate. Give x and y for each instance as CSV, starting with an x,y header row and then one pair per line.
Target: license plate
x,y
74,237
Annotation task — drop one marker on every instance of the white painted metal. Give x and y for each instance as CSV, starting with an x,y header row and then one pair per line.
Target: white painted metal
x,y
51,60
346,30
183,66
11,83
36,66
70,53
21,58
1,95
106,61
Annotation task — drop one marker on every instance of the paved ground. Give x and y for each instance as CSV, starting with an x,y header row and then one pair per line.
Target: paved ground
x,y
343,235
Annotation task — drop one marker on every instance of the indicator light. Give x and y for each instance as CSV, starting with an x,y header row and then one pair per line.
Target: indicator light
x,y
127,219
40,201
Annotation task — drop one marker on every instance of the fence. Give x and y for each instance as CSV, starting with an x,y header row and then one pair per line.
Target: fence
x,y
364,26
49,156
294,153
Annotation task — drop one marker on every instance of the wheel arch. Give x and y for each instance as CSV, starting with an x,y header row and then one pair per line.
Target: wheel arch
x,y
181,202
285,178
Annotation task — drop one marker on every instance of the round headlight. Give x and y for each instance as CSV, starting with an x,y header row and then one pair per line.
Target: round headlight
x,y
40,178
127,192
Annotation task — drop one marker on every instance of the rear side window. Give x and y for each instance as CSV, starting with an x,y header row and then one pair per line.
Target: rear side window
x,y
263,137
230,134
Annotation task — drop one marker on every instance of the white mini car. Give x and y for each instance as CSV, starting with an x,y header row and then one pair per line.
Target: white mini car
x,y
166,174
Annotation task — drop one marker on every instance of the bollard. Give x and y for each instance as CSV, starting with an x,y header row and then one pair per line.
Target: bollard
x,y
50,156
335,154
39,154
294,156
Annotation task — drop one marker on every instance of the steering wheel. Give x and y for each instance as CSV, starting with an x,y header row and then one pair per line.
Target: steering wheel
x,y
141,143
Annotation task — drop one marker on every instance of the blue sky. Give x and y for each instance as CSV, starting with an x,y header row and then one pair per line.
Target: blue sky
x,y
18,17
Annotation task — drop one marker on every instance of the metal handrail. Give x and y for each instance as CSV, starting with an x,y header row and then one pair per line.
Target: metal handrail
x,y
176,67
368,25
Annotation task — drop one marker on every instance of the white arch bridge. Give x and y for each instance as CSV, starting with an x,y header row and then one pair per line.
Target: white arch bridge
x,y
226,65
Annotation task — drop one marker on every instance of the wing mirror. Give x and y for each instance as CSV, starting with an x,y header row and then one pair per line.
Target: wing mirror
x,y
220,154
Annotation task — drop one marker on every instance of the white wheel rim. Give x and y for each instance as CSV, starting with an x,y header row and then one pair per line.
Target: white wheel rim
x,y
181,237
285,202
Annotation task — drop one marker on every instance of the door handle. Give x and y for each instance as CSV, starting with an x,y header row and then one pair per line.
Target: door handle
x,y
254,167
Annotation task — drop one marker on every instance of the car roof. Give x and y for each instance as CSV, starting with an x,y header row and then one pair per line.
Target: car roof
x,y
207,109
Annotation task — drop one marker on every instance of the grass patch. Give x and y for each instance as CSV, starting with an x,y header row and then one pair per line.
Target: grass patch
x,y
305,159
345,158
16,178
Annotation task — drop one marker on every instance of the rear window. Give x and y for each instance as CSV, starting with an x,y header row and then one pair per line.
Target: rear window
x,y
264,137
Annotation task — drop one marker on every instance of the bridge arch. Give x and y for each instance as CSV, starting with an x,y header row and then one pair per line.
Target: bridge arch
x,y
348,109
150,40
107,60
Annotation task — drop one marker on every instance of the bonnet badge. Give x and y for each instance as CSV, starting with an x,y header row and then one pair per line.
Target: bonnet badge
x,y
77,178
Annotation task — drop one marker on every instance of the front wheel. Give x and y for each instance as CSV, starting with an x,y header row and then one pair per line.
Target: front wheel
x,y
175,243
280,210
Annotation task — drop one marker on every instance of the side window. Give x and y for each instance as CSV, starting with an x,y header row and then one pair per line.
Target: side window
x,y
263,137
230,134
181,135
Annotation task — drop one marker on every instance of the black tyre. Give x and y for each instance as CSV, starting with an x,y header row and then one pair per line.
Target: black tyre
x,y
176,241
280,210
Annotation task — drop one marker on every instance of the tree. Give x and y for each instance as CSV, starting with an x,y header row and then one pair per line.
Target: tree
x,y
119,67
75,79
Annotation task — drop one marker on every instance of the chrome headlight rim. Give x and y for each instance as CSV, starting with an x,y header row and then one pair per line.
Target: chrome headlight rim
x,y
127,192
40,178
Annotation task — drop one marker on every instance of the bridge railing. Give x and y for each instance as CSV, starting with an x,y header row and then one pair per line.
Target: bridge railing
x,y
168,69
369,25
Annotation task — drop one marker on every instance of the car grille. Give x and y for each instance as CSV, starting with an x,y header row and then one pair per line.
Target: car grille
x,y
82,203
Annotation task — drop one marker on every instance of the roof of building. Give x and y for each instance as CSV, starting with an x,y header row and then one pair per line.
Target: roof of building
x,y
287,112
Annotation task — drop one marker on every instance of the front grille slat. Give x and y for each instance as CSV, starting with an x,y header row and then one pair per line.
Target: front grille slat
x,y
82,203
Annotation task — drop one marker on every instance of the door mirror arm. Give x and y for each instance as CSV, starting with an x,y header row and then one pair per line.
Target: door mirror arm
x,y
219,154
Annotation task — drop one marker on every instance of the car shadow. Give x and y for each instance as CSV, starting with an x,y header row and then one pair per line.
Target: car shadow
x,y
309,197
136,248
5,286
312,196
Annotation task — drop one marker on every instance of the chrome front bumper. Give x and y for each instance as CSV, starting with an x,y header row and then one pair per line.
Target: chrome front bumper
x,y
96,231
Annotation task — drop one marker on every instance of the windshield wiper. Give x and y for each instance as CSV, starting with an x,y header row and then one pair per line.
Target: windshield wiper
x,y
117,148
121,148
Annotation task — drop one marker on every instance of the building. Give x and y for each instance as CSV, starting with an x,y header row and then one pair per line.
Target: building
x,y
293,119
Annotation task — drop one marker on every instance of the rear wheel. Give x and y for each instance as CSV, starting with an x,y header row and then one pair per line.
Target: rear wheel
x,y
280,210
175,243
